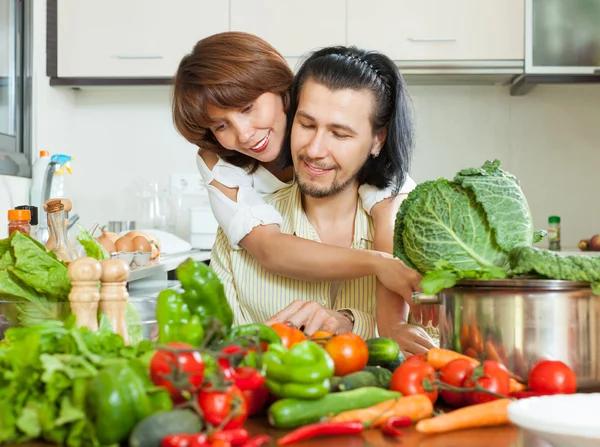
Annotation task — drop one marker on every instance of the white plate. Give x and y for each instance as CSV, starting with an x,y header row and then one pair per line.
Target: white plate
x,y
562,420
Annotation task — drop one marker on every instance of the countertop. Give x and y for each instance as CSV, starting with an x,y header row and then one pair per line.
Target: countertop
x,y
505,436
166,263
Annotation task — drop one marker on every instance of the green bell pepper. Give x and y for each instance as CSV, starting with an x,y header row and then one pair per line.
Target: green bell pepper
x,y
264,333
116,402
303,372
175,321
204,293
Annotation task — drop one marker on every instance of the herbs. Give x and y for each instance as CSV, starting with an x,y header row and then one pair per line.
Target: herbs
x,y
44,375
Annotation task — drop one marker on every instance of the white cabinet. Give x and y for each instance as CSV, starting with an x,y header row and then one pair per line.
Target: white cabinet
x,y
430,30
292,27
132,38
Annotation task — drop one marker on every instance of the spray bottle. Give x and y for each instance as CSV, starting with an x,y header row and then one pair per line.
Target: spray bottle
x,y
57,190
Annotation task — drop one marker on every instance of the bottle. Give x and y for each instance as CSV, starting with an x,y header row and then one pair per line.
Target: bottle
x,y
38,173
33,222
18,220
59,240
57,190
554,233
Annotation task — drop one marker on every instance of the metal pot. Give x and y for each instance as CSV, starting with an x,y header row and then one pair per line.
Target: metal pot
x,y
520,322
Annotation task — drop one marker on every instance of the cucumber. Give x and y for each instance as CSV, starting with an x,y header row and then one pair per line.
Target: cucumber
x,y
396,363
291,413
382,351
358,379
150,431
383,375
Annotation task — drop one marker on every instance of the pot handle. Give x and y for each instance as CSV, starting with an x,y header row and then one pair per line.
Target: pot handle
x,y
423,298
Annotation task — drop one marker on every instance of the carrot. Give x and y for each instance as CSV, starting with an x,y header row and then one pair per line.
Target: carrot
x,y
516,387
438,358
481,415
415,407
490,351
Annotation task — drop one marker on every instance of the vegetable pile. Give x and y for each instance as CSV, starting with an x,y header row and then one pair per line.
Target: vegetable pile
x,y
478,226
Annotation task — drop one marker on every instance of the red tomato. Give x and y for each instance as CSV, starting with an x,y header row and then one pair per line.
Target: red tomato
x,y
163,367
552,377
455,373
415,358
216,406
256,399
289,335
408,379
349,352
491,376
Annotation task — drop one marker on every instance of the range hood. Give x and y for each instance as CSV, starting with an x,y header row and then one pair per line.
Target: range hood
x,y
476,72
562,43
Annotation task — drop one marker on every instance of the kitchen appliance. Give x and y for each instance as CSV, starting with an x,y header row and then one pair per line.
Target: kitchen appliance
x,y
522,321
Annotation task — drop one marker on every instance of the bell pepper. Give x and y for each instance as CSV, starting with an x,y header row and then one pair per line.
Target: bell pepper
x,y
264,333
301,372
204,293
175,321
117,401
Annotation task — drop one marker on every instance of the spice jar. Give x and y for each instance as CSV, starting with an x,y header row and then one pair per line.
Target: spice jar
x,y
18,220
33,221
554,233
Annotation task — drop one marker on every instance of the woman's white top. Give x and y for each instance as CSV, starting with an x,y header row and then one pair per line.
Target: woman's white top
x,y
237,219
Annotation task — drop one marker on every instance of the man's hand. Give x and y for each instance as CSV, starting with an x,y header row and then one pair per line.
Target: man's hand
x,y
412,339
313,317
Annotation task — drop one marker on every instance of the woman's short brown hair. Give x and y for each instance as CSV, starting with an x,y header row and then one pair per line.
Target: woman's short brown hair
x,y
228,70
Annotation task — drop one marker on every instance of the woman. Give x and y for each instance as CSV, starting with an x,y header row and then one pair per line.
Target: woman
x,y
230,99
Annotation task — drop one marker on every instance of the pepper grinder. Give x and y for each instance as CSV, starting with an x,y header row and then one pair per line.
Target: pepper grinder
x,y
84,274
114,295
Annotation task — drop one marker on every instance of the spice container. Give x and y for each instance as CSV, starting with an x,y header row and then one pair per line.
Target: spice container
x,y
33,222
554,233
58,241
18,220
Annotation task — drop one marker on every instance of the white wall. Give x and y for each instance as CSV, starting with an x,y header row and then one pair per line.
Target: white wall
x,y
550,139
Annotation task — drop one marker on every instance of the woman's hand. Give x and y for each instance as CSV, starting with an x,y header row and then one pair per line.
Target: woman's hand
x,y
397,277
311,316
412,339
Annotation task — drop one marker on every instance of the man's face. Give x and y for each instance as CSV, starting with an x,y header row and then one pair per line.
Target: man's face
x,y
331,138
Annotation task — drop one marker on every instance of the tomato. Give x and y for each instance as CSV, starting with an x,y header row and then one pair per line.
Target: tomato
x,y
322,335
163,367
289,335
415,358
408,379
349,353
470,352
256,399
491,376
455,373
216,406
552,377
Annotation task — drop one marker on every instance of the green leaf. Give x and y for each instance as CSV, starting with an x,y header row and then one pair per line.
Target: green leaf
x,y
29,423
68,413
92,247
435,281
596,288
539,235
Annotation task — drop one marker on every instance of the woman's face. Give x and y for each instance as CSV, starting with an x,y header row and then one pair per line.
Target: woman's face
x,y
256,129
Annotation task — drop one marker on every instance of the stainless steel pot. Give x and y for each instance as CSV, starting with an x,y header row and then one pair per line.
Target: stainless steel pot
x,y
520,322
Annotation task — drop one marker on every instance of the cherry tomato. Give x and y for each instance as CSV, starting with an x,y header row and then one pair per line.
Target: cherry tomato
x,y
408,379
491,376
552,377
349,353
289,335
256,399
164,364
455,373
216,406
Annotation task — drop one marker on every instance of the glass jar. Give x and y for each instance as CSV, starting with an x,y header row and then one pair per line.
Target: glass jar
x,y
554,233
58,231
18,220
33,221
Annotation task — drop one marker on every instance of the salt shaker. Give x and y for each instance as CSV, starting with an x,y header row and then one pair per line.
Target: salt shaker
x,y
114,295
84,274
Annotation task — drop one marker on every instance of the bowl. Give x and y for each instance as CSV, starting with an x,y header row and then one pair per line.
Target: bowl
x,y
561,420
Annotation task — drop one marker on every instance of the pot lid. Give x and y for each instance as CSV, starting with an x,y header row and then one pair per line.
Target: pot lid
x,y
524,283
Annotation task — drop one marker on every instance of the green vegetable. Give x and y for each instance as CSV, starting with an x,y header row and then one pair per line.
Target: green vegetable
x,y
150,431
358,379
450,230
301,372
117,401
175,321
383,375
92,247
391,366
290,413
382,350
264,333
204,294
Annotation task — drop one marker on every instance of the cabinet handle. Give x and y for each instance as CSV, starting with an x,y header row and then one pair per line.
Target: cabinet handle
x,y
139,56
432,39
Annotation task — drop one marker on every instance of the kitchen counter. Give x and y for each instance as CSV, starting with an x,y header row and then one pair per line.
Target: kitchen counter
x,y
506,436
158,268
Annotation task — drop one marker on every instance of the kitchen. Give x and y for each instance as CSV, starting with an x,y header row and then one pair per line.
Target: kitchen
x,y
121,137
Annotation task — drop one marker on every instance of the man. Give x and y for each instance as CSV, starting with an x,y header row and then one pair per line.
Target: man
x,y
349,108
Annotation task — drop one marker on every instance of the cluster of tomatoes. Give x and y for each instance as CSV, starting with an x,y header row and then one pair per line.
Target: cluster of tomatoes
x,y
464,381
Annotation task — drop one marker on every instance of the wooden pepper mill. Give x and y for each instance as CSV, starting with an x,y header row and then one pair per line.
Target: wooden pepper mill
x,y
84,274
114,295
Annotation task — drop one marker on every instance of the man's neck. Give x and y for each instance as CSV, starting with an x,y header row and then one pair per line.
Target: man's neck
x,y
333,217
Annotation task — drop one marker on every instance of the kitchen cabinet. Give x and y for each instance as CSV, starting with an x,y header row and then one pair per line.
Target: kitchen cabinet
x,y
292,27
129,38
439,30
